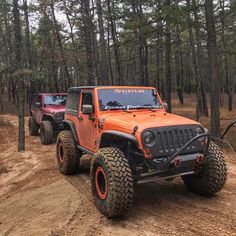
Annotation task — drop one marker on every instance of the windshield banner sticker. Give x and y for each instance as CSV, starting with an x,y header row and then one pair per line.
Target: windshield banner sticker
x,y
129,91
131,107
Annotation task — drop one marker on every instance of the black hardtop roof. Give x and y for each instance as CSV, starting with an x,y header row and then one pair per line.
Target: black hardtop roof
x,y
74,89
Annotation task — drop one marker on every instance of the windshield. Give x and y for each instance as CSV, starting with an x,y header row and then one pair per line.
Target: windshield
x,y
126,99
55,100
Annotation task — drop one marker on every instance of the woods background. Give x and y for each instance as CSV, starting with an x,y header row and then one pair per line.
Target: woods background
x,y
177,46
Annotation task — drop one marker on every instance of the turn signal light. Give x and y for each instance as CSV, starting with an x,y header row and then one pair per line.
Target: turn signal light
x,y
148,152
177,161
200,158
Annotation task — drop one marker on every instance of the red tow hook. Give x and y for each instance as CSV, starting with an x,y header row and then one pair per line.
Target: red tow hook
x,y
177,161
200,159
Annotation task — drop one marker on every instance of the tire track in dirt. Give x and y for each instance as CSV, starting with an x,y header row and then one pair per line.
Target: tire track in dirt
x,y
88,216
82,184
183,211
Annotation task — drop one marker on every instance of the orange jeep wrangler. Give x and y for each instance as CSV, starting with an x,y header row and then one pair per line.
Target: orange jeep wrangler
x,y
132,139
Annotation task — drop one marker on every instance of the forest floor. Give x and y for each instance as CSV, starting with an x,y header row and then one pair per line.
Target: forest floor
x,y
35,199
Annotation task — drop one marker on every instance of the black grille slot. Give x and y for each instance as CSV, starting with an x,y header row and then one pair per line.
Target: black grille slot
x,y
171,139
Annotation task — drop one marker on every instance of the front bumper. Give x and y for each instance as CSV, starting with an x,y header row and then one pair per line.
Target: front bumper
x,y
176,165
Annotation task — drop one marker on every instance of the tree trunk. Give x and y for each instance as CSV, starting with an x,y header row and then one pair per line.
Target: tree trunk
x,y
20,82
75,54
112,24
58,36
225,63
204,106
194,66
27,35
159,52
87,27
102,42
179,67
213,73
168,60
109,55
32,85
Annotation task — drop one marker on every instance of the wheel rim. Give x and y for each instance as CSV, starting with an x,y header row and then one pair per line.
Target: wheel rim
x,y
61,153
101,183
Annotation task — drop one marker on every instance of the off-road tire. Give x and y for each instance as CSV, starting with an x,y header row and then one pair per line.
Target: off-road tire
x,y
46,132
33,127
68,156
212,177
119,190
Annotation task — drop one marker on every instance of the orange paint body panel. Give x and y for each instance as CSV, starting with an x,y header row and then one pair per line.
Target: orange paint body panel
x,y
89,129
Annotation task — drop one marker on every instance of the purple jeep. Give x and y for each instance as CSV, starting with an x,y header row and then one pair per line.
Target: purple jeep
x,y
47,113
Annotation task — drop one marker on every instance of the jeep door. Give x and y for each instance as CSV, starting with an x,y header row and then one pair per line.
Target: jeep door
x,y
87,124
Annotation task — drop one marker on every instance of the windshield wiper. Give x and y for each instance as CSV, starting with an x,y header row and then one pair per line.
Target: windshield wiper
x,y
146,108
124,110
152,109
127,111
142,108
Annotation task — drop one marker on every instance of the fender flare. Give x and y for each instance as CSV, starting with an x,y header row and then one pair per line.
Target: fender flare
x,y
69,125
127,136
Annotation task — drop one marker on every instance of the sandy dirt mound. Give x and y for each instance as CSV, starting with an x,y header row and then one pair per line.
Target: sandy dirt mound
x,y
35,199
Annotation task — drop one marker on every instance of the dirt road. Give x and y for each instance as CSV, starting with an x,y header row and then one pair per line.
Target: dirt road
x,y
35,199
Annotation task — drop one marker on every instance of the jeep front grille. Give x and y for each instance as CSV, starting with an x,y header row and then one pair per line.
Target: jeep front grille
x,y
171,139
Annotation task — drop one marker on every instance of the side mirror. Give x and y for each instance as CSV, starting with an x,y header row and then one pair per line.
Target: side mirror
x,y
38,105
87,109
165,106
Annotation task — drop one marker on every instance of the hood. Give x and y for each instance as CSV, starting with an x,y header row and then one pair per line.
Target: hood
x,y
51,109
146,119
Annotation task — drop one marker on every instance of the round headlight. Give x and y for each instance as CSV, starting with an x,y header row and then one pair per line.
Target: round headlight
x,y
148,137
199,131
206,130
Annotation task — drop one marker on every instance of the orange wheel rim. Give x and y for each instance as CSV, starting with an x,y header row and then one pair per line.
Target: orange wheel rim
x,y
61,153
101,183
